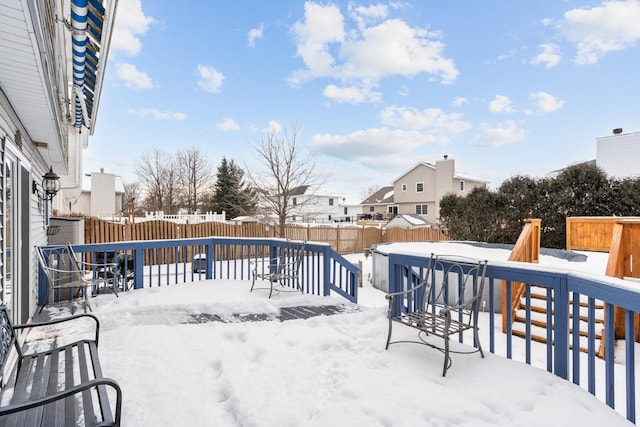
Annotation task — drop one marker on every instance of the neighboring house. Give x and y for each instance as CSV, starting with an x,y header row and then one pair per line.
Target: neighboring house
x,y
51,71
420,189
379,205
100,195
408,221
309,205
619,154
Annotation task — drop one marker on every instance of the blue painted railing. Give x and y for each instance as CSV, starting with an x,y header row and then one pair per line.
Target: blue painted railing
x,y
563,355
149,263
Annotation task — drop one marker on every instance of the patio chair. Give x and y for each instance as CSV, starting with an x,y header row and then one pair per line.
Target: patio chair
x,y
63,272
444,303
281,270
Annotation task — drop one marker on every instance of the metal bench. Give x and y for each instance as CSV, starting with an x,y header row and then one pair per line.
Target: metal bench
x,y
57,385
443,303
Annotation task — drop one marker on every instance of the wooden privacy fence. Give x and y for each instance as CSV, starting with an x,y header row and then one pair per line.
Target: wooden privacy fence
x,y
591,233
343,239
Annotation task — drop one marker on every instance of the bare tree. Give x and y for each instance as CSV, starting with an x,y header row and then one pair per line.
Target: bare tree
x,y
282,169
194,176
368,192
157,174
129,198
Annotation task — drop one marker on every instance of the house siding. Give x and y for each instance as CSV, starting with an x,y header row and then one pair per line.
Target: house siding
x,y
438,180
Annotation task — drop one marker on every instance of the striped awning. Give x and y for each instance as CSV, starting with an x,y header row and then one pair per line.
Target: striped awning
x,y
87,19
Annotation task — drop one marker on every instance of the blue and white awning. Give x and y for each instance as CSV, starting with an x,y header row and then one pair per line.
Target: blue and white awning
x,y
87,19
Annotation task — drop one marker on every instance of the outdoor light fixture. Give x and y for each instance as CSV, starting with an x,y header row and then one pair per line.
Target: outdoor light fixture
x,y
50,185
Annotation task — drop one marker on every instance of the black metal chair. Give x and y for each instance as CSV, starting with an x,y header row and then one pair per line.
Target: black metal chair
x,y
444,303
281,270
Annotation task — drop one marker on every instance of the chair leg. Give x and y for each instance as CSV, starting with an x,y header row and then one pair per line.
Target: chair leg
x,y
389,333
446,354
476,336
253,281
86,300
271,282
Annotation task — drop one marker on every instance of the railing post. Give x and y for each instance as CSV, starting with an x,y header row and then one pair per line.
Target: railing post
x,y
561,329
42,286
209,260
138,268
326,271
393,281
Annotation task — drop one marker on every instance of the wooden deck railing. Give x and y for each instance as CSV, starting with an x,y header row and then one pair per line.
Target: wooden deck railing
x,y
526,249
624,262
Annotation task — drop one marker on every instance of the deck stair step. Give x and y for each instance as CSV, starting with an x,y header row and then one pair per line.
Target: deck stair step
x,y
538,316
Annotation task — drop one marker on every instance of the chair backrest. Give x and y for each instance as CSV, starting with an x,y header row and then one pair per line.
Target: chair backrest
x,y
292,254
59,264
457,280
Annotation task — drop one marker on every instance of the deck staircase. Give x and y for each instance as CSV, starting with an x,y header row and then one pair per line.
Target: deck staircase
x,y
539,319
527,249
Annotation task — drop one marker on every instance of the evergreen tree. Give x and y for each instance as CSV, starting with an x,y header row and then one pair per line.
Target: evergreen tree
x,y
232,195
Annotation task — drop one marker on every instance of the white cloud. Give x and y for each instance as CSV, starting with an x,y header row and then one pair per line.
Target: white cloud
x,y
131,77
430,119
367,15
274,126
549,56
351,94
158,115
130,24
227,124
377,147
545,102
506,132
595,31
254,34
501,104
210,79
459,101
323,26
364,55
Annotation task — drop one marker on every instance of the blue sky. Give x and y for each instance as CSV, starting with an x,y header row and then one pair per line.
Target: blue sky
x,y
503,87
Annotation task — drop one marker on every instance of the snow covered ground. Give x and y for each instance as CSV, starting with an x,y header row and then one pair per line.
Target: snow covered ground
x,y
323,371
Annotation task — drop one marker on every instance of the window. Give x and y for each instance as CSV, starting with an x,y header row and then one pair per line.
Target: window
x,y
404,187
372,209
294,201
330,202
422,209
461,185
419,187
345,210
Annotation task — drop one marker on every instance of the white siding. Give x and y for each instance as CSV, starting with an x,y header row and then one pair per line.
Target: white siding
x,y
619,155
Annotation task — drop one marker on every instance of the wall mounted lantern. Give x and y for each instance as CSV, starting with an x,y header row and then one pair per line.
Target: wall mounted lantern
x,y
50,185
